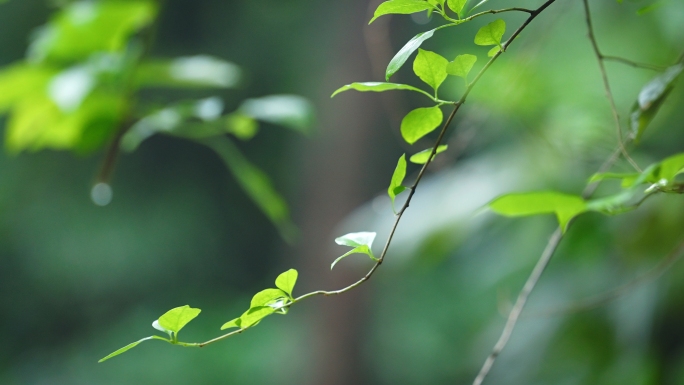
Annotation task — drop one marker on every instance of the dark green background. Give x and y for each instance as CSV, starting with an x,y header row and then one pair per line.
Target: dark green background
x,y
78,281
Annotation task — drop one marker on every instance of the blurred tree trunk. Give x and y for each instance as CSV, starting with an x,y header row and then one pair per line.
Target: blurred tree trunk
x,y
338,166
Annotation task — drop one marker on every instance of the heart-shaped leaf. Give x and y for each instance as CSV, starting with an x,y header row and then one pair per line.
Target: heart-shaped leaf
x,y
420,122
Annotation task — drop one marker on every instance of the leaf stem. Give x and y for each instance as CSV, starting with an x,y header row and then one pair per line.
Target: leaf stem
x,y
634,64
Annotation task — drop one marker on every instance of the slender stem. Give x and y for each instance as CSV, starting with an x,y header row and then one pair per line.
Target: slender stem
x,y
520,305
412,190
601,299
495,11
606,85
633,63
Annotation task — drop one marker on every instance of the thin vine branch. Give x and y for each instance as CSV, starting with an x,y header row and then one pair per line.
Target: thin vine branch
x,y
606,85
632,63
601,299
412,190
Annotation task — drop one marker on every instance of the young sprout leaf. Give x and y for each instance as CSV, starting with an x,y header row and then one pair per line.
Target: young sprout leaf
x,y
491,33
493,51
175,319
266,297
252,316
422,157
651,98
403,7
157,326
400,58
461,66
232,324
395,188
286,281
420,122
361,243
130,346
378,87
430,68
457,5
670,168
564,206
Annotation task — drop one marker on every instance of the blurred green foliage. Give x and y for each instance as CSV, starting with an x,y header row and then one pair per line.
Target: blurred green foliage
x,y
79,280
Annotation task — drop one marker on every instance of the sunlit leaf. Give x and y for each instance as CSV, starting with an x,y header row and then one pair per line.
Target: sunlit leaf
x,y
402,56
423,156
256,185
395,188
564,206
254,315
403,7
130,346
286,281
650,98
37,122
188,72
461,66
21,81
232,324
290,111
267,296
491,33
420,122
176,318
430,68
626,178
361,243
378,87
457,5
96,27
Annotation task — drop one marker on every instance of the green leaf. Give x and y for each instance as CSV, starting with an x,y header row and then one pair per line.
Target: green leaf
x,y
461,66
395,188
286,281
400,58
430,68
564,206
96,27
420,122
457,5
290,111
361,243
256,184
403,7
670,168
130,346
37,122
266,297
231,324
22,81
187,72
254,315
493,51
651,97
379,87
175,319
478,5
422,157
491,33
